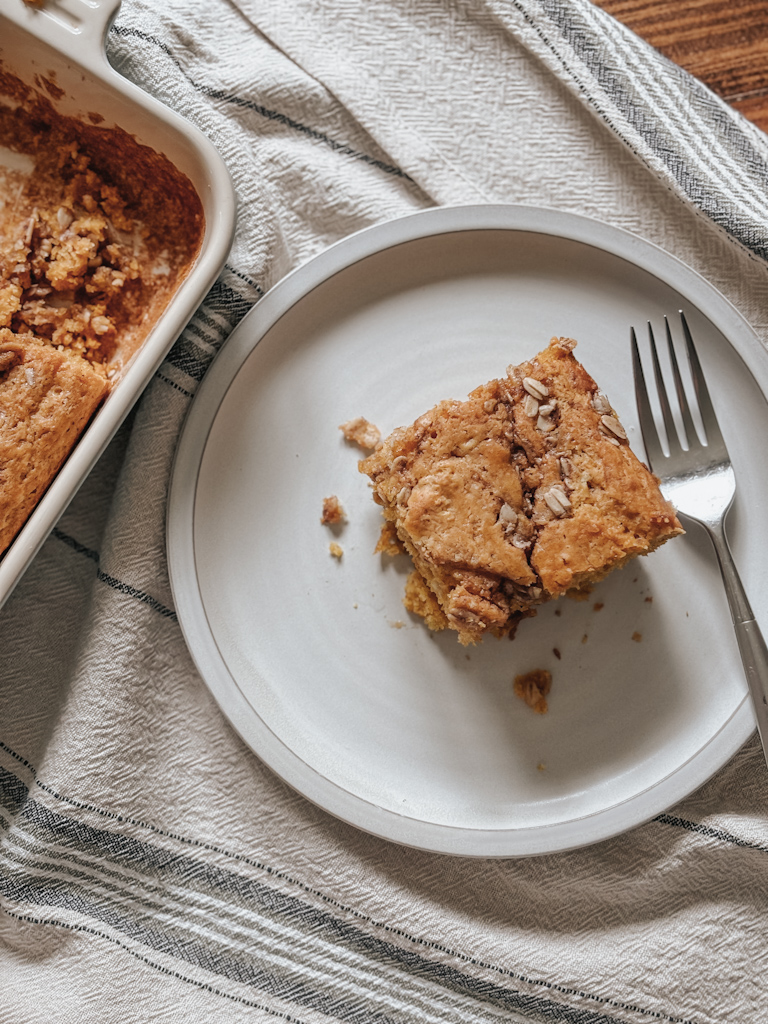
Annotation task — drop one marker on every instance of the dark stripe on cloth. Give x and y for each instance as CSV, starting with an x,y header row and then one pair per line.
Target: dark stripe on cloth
x,y
591,49
711,833
189,358
647,123
257,108
173,869
185,946
244,277
208,321
224,301
111,581
140,595
330,901
84,929
209,333
237,966
173,384
81,549
13,792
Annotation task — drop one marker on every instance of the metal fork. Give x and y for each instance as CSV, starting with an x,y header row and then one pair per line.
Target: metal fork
x,y
699,481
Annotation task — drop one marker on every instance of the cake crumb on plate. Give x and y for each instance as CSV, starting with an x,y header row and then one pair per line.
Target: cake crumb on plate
x,y
533,687
332,511
362,433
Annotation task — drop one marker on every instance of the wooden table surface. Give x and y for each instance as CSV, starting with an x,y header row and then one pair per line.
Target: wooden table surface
x,y
722,42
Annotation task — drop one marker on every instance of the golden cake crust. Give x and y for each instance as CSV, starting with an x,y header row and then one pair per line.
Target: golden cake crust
x,y
46,399
523,491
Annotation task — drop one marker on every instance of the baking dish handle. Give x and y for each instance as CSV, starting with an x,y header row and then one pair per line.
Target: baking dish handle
x,y
76,28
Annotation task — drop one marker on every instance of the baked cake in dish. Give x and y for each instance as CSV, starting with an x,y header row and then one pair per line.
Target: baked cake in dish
x,y
96,234
525,490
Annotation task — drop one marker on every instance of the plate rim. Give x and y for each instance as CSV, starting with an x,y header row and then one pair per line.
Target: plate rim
x,y
286,763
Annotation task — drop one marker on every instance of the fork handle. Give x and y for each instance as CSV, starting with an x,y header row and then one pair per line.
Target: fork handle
x,y
752,646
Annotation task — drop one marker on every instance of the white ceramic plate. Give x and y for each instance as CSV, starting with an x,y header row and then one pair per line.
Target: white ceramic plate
x,y
315,661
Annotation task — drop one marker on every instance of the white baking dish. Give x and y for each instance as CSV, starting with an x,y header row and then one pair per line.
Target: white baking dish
x,y
63,40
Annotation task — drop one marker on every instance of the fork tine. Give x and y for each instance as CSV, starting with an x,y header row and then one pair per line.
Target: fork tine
x,y
688,425
708,418
653,449
673,441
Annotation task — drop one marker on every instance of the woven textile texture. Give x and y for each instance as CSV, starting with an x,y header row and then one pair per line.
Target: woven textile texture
x,y
151,868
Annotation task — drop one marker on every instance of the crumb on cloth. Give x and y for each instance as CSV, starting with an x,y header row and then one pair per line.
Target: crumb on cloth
x,y
332,511
362,433
336,549
533,687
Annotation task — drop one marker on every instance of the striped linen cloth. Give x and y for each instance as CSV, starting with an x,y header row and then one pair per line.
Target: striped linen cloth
x,y
151,868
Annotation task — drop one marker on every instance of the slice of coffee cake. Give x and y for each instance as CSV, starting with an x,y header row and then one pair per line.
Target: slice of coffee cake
x,y
525,490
